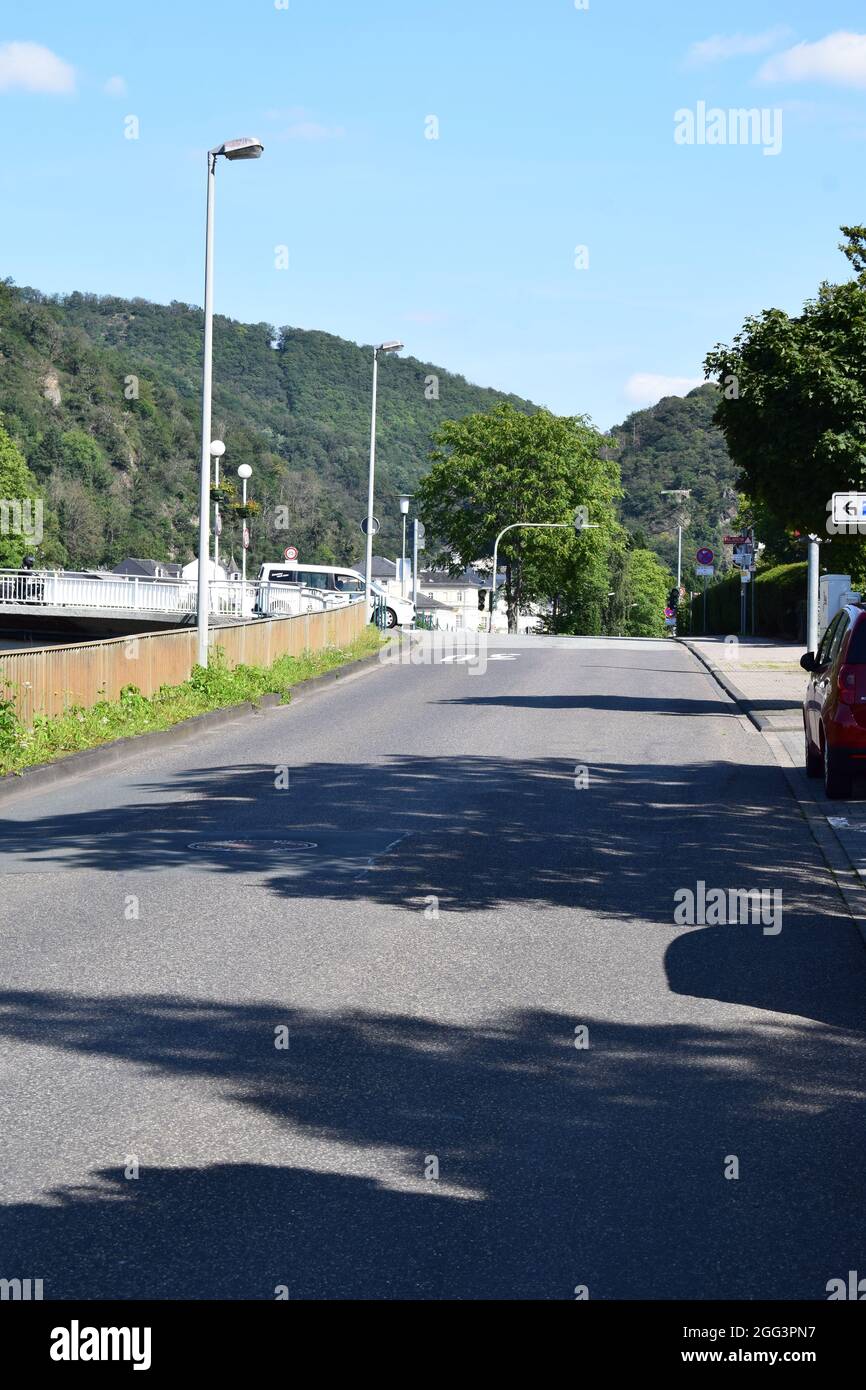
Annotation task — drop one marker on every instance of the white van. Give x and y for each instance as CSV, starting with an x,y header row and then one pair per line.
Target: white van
x,y
341,580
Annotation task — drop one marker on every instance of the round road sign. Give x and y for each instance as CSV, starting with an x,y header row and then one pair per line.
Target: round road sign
x,y
290,552
705,556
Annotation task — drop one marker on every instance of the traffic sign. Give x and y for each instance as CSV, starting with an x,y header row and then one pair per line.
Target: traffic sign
x,y
705,556
290,552
745,576
849,507
375,526
704,571
734,540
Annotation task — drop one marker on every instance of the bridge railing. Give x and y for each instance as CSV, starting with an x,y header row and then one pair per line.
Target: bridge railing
x,y
138,593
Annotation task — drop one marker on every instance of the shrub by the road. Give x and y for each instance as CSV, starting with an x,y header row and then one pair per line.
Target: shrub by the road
x,y
779,598
216,687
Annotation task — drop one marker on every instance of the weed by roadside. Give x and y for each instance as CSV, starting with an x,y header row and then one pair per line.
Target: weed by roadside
x,y
216,687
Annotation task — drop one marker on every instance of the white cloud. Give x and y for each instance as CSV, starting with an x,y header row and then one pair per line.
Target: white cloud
x,y
33,68
839,58
646,388
723,46
115,87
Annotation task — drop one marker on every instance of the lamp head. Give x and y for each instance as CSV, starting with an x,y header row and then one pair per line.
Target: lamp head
x,y
245,471
248,147
217,448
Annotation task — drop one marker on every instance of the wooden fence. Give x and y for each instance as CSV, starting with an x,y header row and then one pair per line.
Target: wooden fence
x,y
47,680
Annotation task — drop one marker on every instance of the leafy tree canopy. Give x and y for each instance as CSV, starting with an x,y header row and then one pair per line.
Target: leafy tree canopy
x,y
792,403
491,470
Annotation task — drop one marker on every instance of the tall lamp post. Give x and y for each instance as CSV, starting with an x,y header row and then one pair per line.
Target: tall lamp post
x,y
244,473
404,512
371,480
246,148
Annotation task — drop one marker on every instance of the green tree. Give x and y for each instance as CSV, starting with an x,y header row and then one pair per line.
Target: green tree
x,y
792,403
502,466
20,519
647,585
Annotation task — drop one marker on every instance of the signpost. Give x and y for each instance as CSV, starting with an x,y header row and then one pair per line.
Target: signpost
x,y
704,570
849,508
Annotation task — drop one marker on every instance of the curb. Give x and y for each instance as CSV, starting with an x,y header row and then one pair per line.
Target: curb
x,y
110,754
760,721
830,844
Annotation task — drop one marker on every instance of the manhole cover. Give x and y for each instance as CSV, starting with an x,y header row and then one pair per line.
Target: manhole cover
x,y
254,844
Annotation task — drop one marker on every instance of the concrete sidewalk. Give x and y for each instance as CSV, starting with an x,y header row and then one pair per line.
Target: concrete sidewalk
x,y
764,677
768,683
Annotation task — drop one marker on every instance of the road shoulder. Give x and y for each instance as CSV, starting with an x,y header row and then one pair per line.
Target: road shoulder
x,y
772,706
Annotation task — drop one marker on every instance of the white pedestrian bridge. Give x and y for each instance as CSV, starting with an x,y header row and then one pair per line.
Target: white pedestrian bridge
x,y
36,598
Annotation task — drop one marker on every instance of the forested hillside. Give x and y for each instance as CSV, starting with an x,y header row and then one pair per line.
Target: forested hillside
x,y
675,444
103,397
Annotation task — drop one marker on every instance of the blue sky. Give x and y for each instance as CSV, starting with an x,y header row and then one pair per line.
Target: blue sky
x,y
556,130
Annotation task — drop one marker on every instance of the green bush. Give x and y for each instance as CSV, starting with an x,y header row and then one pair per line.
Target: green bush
x,y
779,597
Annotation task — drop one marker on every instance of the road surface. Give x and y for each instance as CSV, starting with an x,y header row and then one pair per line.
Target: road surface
x,y
324,1039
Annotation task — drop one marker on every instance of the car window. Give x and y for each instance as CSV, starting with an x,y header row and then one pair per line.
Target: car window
x,y
348,584
283,577
838,637
857,646
823,656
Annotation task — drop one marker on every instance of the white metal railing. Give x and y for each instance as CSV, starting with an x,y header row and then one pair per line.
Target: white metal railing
x,y
138,593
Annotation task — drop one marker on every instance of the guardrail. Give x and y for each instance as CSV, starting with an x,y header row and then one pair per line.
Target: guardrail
x,y
138,593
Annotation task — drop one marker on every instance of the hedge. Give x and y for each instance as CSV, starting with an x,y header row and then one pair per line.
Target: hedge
x,y
780,601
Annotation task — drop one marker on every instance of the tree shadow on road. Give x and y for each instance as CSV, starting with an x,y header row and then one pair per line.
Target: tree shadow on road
x,y
488,833
558,1166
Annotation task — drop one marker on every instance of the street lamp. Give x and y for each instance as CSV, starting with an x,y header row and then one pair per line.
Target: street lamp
x,y
244,472
217,449
404,512
368,571
246,148
681,493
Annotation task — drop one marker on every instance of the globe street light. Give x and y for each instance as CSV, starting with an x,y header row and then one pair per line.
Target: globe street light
x,y
368,571
245,472
217,449
246,148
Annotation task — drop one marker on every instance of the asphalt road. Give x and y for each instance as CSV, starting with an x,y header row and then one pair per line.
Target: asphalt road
x,y
425,915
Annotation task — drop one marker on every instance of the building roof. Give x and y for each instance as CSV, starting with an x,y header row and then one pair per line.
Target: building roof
x,y
441,579
382,568
151,568
425,602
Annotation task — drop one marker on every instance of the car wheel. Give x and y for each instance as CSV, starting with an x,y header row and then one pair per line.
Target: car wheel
x,y
837,776
814,760
392,618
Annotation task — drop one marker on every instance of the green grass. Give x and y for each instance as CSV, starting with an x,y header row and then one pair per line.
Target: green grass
x,y
217,687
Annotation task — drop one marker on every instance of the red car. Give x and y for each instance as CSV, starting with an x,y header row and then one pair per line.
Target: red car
x,y
834,710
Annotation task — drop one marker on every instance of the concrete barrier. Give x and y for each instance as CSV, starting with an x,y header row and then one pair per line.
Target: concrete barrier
x,y
47,680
